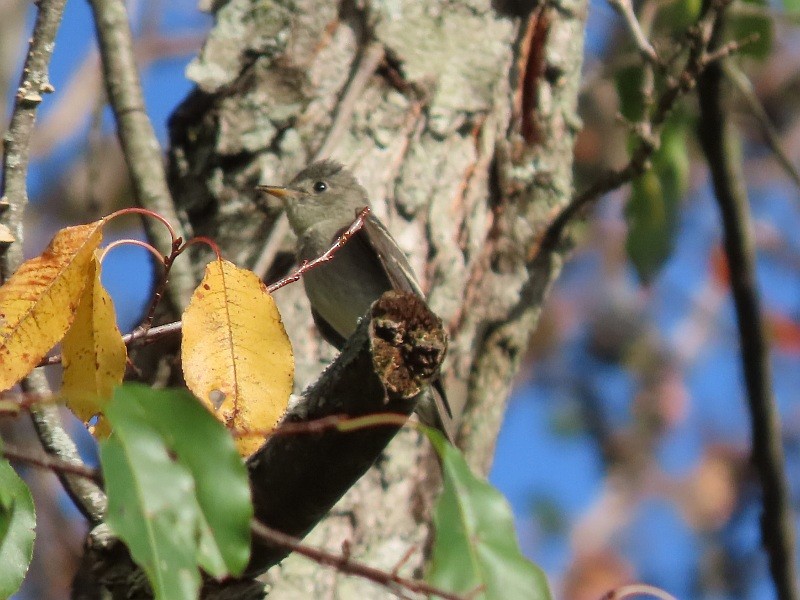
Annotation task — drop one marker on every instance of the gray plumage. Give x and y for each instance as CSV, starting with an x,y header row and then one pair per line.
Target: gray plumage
x,y
321,202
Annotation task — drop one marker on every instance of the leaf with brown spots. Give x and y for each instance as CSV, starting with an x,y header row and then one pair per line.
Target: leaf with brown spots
x,y
237,358
38,303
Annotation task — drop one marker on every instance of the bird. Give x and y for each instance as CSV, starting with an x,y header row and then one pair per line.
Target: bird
x,y
321,202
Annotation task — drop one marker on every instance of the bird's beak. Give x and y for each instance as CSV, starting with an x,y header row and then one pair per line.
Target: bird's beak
x,y
279,192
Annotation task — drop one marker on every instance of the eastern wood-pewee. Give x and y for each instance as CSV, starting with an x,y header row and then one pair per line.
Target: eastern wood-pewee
x,y
321,202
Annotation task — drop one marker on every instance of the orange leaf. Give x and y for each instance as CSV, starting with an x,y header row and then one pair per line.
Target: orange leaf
x,y
93,352
720,272
784,331
38,302
237,358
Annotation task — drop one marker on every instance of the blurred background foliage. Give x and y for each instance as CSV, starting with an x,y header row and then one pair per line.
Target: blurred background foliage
x,y
625,451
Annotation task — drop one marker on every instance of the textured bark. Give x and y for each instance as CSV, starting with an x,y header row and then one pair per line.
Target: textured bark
x,y
463,137
384,367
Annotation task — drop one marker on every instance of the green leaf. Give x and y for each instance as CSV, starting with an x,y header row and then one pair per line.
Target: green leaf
x,y
629,90
475,545
675,16
178,490
17,523
791,6
652,210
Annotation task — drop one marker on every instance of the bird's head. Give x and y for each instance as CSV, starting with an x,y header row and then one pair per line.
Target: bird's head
x,y
323,192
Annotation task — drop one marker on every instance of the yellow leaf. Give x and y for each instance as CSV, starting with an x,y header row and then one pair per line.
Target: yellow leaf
x,y
38,302
237,358
93,352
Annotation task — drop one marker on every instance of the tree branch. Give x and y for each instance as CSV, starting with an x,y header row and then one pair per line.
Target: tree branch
x,y
700,57
625,10
34,82
745,88
777,522
52,463
296,479
344,564
16,152
139,144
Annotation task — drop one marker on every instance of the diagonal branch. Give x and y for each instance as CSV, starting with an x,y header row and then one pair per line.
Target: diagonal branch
x,y
344,564
745,88
777,522
34,82
700,57
139,143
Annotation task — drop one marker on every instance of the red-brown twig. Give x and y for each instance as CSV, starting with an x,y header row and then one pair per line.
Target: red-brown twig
x,y
343,423
147,213
53,463
139,143
637,589
344,564
329,254
146,334
131,242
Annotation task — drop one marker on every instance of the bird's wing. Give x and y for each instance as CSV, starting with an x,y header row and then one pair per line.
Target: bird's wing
x,y
401,275
391,257
380,244
333,337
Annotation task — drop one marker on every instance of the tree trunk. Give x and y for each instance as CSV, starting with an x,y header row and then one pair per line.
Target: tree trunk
x,y
459,118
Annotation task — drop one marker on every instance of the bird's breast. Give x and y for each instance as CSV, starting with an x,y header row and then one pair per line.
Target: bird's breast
x,y
342,289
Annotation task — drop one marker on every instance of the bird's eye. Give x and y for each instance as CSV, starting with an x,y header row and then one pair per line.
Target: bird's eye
x,y
320,186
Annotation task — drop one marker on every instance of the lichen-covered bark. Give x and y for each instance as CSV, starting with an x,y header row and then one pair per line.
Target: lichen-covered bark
x,y
436,138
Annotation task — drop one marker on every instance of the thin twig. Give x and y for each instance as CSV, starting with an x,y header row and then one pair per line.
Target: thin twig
x,y
342,422
344,564
328,255
745,88
139,143
777,521
34,82
699,59
637,589
146,334
625,10
52,463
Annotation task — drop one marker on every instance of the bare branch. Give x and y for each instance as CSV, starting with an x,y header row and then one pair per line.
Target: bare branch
x,y
33,84
700,57
745,88
52,463
136,135
777,520
344,564
625,10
